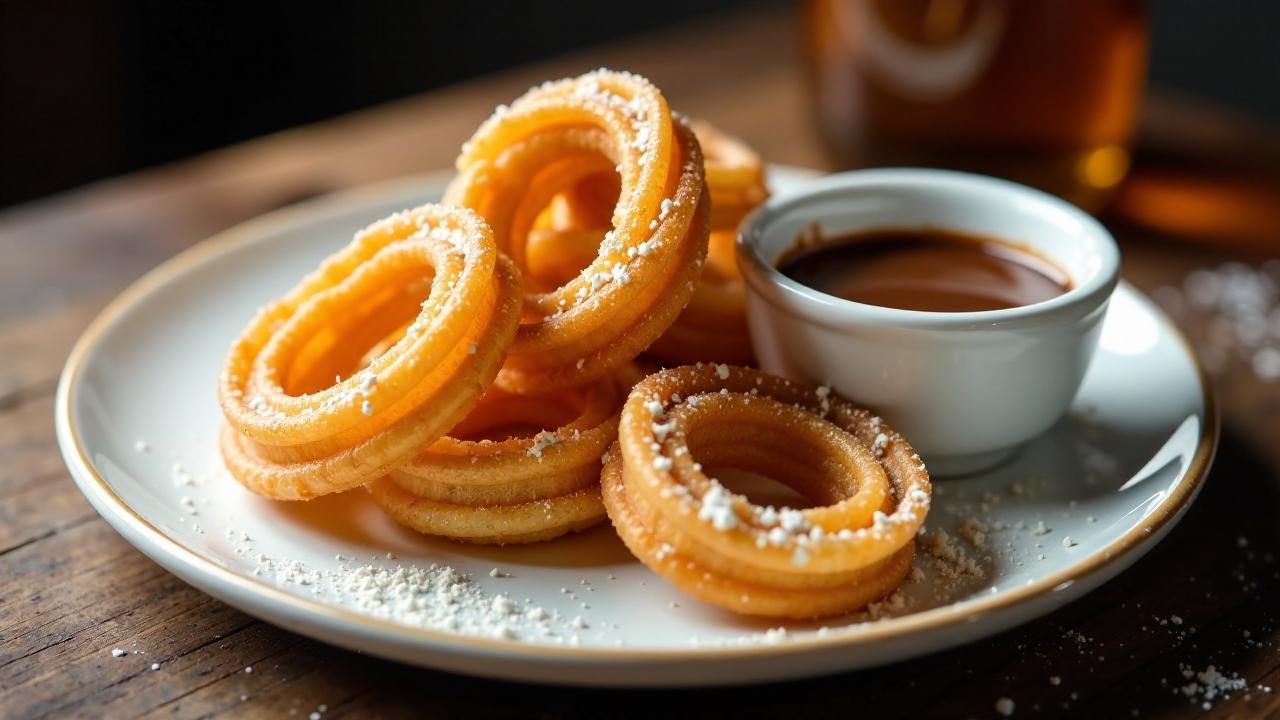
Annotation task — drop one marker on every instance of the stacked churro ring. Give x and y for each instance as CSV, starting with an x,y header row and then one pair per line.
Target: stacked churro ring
x,y
735,176
713,328
718,546
593,190
432,275
646,266
490,481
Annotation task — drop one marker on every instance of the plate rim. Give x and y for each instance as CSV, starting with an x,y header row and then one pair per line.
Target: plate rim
x,y
119,513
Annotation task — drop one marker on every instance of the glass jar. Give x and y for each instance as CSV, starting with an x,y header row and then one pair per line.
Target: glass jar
x,y
1044,92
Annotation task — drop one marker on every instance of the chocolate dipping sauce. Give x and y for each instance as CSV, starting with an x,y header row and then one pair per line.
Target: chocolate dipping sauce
x,y
929,270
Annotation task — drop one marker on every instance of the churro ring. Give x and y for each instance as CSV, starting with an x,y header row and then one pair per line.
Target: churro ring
x,y
855,548
431,275
713,328
646,266
735,175
483,484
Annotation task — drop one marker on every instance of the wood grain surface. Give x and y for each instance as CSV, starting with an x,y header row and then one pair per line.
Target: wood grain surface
x,y
71,589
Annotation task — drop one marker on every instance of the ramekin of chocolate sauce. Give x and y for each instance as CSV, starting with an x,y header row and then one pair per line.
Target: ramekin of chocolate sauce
x,y
962,308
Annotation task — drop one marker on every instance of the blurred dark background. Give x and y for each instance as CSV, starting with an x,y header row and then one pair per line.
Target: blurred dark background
x,y
94,89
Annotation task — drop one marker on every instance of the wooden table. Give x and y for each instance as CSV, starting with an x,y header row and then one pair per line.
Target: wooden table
x,y
71,589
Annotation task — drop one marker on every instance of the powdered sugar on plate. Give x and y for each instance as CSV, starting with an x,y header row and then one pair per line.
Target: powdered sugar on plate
x,y
433,597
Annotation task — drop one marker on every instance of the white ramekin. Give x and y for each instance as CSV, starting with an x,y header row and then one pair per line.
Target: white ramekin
x,y
965,389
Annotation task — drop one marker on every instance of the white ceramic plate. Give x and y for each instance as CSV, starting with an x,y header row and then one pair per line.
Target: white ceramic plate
x,y
137,422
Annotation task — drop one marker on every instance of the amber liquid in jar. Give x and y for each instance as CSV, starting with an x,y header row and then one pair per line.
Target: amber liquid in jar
x,y
1043,92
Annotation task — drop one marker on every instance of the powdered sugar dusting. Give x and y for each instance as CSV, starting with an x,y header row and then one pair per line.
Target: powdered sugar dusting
x,y
433,597
542,441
